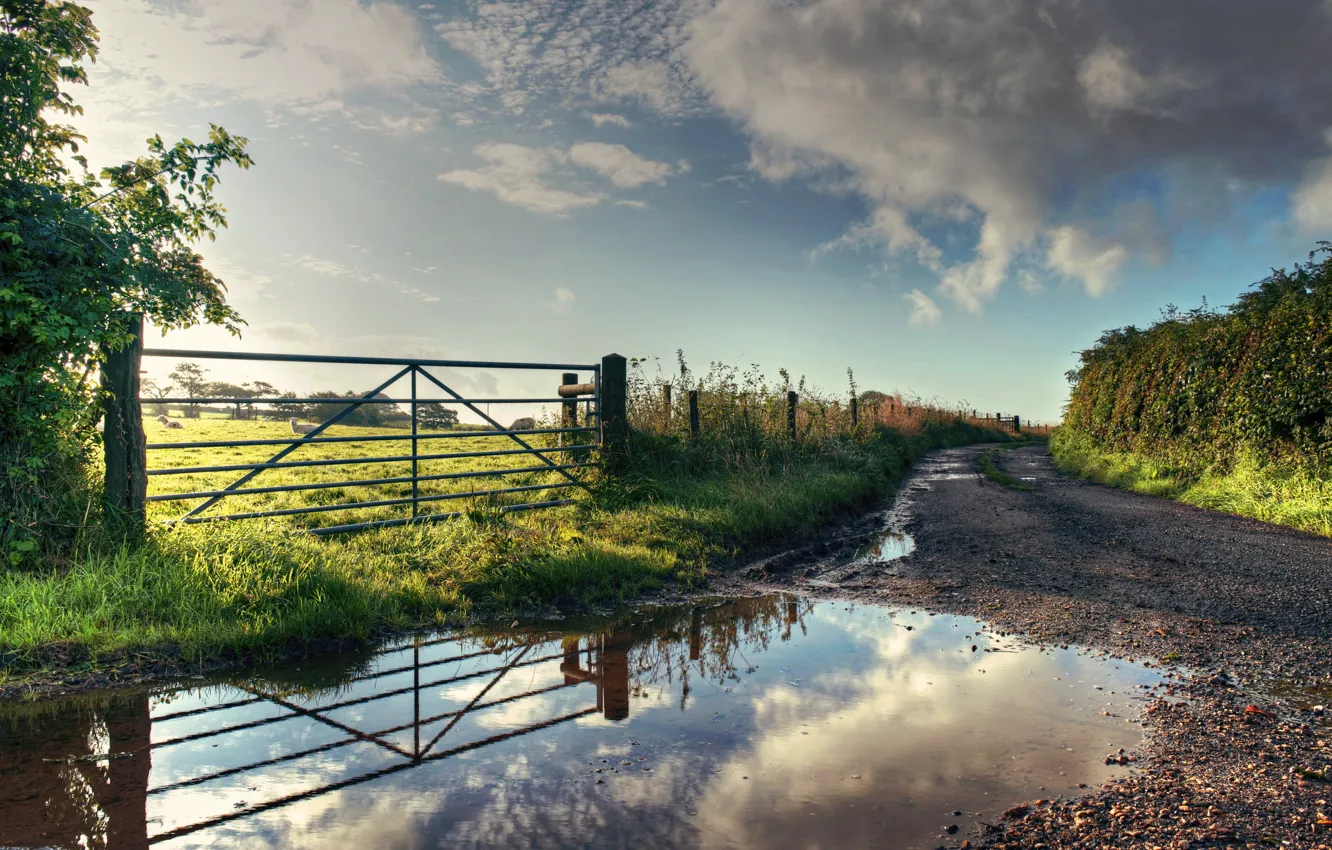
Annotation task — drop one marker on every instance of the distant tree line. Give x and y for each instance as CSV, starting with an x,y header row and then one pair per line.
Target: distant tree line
x,y
191,379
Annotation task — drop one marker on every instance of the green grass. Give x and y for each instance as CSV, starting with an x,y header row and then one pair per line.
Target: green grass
x,y
247,587
1248,488
997,475
214,430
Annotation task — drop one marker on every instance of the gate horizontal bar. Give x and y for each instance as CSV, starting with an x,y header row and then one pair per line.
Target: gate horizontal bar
x,y
364,482
287,464
425,518
364,361
358,400
333,745
315,509
377,438
268,721
366,777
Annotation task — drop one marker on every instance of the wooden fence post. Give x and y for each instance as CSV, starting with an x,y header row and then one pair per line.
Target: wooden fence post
x,y
614,413
792,401
855,413
1017,424
693,415
569,415
123,440
666,401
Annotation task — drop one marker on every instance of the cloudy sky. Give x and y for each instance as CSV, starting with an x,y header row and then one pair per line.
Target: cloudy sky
x,y
949,196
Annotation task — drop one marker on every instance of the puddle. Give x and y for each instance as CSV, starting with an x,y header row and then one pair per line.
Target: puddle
x,y
885,546
1312,702
768,722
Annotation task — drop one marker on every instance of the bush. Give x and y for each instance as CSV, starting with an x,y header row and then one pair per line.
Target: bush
x,y
1203,388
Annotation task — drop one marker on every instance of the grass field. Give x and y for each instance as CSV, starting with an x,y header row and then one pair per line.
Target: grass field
x,y
447,494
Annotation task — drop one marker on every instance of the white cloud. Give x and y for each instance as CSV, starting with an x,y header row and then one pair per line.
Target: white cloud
x,y
1074,253
924,312
603,51
1311,205
564,299
332,268
625,168
638,205
291,57
302,333
517,175
1312,202
285,51
1110,82
1030,283
600,118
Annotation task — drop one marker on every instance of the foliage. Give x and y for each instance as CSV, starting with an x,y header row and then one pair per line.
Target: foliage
x,y
436,416
1204,387
80,253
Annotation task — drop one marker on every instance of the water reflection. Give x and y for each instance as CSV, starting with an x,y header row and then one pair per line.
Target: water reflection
x,y
886,546
763,722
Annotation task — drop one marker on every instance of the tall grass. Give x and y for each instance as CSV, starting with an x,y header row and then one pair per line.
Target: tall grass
x,y
251,586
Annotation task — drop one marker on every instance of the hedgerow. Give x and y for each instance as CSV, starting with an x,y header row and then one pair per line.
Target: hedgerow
x,y
1204,387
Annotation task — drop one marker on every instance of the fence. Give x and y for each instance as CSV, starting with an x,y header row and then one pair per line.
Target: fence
x,y
582,442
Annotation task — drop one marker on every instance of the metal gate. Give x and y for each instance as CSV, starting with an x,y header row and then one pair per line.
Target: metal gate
x,y
416,480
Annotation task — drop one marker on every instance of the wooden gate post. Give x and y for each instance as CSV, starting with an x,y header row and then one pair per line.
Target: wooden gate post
x,y
1017,424
614,410
123,440
792,401
694,427
569,417
666,402
855,413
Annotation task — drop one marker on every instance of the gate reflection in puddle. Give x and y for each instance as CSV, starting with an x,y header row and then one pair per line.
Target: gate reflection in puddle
x,y
757,722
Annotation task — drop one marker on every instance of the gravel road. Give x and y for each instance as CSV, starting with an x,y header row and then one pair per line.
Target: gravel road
x,y
1238,753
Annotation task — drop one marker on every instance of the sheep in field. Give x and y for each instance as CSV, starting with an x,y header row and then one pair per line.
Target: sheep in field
x,y
169,423
527,423
297,428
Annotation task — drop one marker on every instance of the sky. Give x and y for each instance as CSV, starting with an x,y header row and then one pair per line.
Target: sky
x,y
950,197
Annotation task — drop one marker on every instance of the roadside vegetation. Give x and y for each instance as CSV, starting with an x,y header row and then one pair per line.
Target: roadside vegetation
x,y
251,587
1229,410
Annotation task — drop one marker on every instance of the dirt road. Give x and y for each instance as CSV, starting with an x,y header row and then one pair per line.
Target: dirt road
x,y
1241,611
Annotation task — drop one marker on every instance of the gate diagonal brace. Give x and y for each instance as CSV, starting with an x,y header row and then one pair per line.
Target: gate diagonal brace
x,y
316,716
499,427
341,414
460,715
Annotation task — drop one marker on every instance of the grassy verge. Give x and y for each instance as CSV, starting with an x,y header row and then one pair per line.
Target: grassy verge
x,y
997,475
1264,492
249,587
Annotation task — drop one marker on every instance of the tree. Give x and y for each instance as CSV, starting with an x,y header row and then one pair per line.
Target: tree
x,y
436,416
148,388
81,253
261,389
222,389
290,409
192,379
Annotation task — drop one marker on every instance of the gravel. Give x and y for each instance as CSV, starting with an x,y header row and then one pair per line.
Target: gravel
x,y
1237,611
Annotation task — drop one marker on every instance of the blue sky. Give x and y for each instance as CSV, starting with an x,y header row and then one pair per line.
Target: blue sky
x,y
950,197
